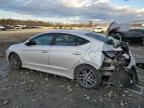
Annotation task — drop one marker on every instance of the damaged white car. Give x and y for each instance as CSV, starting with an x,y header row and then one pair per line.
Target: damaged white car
x,y
85,56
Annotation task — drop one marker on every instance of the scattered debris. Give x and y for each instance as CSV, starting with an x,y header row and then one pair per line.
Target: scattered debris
x,y
34,100
23,83
15,107
31,81
46,79
122,104
69,89
94,101
123,95
87,97
100,98
47,85
137,89
140,65
126,102
6,102
126,91
110,94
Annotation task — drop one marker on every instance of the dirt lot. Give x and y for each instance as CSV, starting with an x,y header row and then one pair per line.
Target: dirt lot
x,y
31,89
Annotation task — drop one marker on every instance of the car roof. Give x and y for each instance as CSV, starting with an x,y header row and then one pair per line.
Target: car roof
x,y
76,32
80,33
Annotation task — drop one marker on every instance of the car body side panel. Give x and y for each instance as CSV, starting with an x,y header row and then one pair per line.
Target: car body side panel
x,y
47,69
34,55
31,56
41,67
63,58
93,56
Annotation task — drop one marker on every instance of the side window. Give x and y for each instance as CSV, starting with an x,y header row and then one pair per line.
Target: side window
x,y
69,40
81,41
44,39
65,40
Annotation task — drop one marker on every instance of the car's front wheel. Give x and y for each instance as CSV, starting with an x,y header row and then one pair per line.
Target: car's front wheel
x,y
15,61
87,76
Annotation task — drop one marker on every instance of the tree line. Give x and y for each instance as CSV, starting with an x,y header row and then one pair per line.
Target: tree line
x,y
42,23
23,22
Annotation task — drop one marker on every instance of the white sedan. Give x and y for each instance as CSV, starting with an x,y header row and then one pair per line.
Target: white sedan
x,y
2,27
69,53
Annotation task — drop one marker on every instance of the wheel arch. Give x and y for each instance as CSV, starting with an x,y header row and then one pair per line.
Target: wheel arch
x,y
13,52
76,66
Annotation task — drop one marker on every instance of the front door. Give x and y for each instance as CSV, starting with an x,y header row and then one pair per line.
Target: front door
x,y
37,55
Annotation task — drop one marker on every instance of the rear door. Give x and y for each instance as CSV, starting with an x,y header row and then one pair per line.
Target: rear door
x,y
66,51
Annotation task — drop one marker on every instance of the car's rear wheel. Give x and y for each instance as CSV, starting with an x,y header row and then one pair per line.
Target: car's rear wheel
x,y
87,76
15,61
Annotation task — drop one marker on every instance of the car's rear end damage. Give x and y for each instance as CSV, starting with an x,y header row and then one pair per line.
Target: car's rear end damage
x,y
119,64
113,59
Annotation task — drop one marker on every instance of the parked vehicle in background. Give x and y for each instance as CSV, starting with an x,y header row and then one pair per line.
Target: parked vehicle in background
x,y
7,27
17,27
85,56
134,36
26,27
98,29
35,27
2,27
29,27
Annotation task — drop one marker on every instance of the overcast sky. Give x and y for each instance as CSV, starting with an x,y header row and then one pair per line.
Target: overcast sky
x,y
75,10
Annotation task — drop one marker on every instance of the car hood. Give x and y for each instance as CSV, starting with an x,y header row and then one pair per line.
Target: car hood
x,y
16,46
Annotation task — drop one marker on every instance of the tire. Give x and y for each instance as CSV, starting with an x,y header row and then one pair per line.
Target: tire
x,y
87,76
15,61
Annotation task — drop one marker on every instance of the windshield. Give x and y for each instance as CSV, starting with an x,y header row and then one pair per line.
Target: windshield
x,y
97,36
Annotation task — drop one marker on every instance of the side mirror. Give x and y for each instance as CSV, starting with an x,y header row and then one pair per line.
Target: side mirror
x,y
30,43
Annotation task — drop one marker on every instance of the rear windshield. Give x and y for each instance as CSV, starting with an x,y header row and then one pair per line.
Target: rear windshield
x,y
97,36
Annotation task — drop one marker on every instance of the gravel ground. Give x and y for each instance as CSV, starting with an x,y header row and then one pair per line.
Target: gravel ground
x,y
31,89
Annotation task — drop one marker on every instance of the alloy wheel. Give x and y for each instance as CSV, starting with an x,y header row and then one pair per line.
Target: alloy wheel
x,y
87,77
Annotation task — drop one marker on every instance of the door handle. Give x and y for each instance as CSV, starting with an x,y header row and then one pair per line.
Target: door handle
x,y
44,51
76,53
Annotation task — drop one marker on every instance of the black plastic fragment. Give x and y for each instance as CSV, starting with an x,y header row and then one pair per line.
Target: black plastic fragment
x,y
140,65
